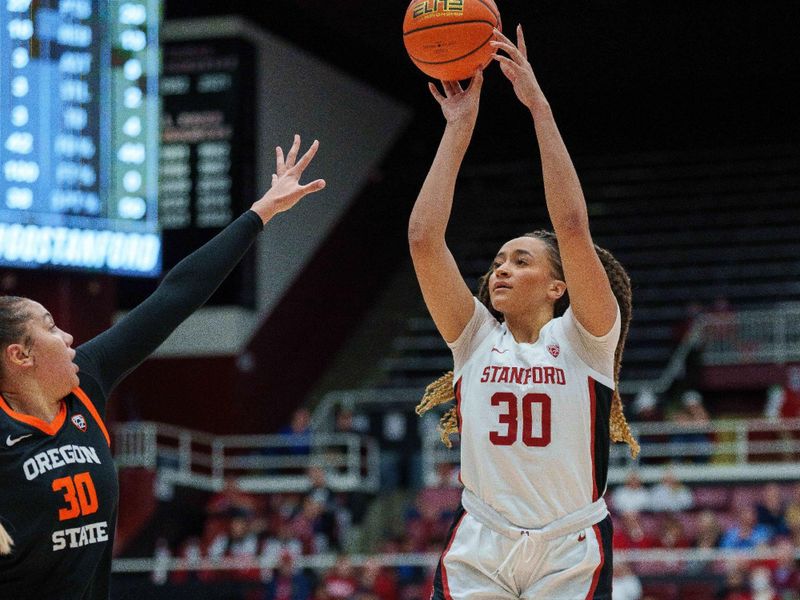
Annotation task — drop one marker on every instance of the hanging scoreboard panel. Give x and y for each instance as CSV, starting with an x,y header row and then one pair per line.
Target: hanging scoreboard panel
x,y
207,155
79,134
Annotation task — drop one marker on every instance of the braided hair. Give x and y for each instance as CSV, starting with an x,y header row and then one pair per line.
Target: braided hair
x,y
441,390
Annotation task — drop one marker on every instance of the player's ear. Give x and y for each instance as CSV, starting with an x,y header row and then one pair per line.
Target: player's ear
x,y
18,355
557,289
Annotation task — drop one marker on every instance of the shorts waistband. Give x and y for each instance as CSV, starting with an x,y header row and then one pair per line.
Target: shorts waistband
x,y
571,523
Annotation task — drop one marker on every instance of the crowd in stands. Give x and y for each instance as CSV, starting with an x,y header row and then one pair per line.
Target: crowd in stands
x,y
272,531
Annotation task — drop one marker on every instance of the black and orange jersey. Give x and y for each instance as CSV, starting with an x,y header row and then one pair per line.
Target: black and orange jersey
x,y
60,489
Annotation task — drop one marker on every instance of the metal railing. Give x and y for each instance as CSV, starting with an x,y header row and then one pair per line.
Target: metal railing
x,y
721,450
768,336
257,463
320,562
737,449
753,336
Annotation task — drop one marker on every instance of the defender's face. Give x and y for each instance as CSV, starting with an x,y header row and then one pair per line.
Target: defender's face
x,y
51,352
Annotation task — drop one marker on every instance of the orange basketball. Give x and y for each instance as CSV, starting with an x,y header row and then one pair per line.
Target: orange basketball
x,y
449,39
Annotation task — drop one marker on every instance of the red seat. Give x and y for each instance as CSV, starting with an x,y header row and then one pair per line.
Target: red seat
x,y
660,591
712,497
698,590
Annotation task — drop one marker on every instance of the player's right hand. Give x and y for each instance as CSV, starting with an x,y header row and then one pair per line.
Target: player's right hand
x,y
286,190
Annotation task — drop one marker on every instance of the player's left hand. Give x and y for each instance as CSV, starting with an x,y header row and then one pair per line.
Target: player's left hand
x,y
516,67
286,190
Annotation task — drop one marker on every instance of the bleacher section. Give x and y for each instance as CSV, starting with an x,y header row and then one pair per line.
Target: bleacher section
x,y
690,227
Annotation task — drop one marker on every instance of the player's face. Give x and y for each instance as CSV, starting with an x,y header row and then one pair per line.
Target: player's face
x,y
51,352
522,277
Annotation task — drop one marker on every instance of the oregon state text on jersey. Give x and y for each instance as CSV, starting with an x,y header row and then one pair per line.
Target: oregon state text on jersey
x,y
65,527
533,418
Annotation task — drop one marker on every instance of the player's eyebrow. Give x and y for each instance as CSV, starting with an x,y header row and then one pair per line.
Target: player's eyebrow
x,y
518,251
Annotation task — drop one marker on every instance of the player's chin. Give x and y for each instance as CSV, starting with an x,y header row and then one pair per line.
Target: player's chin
x,y
500,302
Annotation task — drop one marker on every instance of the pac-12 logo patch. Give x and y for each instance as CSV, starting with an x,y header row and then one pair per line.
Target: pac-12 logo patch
x,y
79,422
554,349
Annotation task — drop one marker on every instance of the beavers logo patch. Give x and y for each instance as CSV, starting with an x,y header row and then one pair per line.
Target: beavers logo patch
x,y
554,349
79,422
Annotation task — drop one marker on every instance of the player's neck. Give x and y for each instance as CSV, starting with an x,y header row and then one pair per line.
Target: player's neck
x,y
33,402
525,327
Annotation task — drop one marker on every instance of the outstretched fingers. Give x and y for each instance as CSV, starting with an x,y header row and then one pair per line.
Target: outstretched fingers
x,y
523,47
437,95
280,163
312,187
292,156
306,158
501,42
477,81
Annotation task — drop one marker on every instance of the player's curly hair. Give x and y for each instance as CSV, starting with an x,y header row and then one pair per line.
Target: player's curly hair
x,y
441,390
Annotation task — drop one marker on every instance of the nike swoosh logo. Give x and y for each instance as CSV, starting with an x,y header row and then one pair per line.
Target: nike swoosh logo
x,y
499,351
11,441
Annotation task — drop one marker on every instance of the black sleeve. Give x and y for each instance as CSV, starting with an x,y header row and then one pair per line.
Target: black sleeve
x,y
114,353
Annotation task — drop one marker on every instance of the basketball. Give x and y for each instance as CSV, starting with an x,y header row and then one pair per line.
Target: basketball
x,y
449,39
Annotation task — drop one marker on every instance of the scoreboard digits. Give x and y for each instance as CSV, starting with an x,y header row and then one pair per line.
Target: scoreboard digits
x,y
79,126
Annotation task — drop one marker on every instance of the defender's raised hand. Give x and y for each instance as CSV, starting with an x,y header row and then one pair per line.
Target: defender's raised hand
x,y
286,190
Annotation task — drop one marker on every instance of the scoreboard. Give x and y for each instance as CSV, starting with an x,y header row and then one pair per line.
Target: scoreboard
x,y
207,163
79,135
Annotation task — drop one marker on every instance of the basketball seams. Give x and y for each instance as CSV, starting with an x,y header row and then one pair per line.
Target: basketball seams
x,y
455,59
492,10
438,39
427,27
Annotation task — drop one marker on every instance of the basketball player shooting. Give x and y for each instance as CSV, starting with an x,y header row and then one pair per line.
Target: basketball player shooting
x,y
536,363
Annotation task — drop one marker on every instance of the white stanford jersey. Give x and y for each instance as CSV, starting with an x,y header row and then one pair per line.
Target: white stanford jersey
x,y
534,418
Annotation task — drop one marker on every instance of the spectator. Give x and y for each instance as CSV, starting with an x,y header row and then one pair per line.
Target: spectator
x,y
693,417
190,551
708,537
161,556
746,534
709,531
242,545
377,583
784,400
282,543
646,409
771,511
631,497
230,498
761,584
336,516
631,535
426,525
670,494
308,526
785,573
340,583
288,583
734,586
671,534
626,584
298,438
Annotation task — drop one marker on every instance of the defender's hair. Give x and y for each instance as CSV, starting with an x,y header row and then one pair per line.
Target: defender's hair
x,y
441,390
13,322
